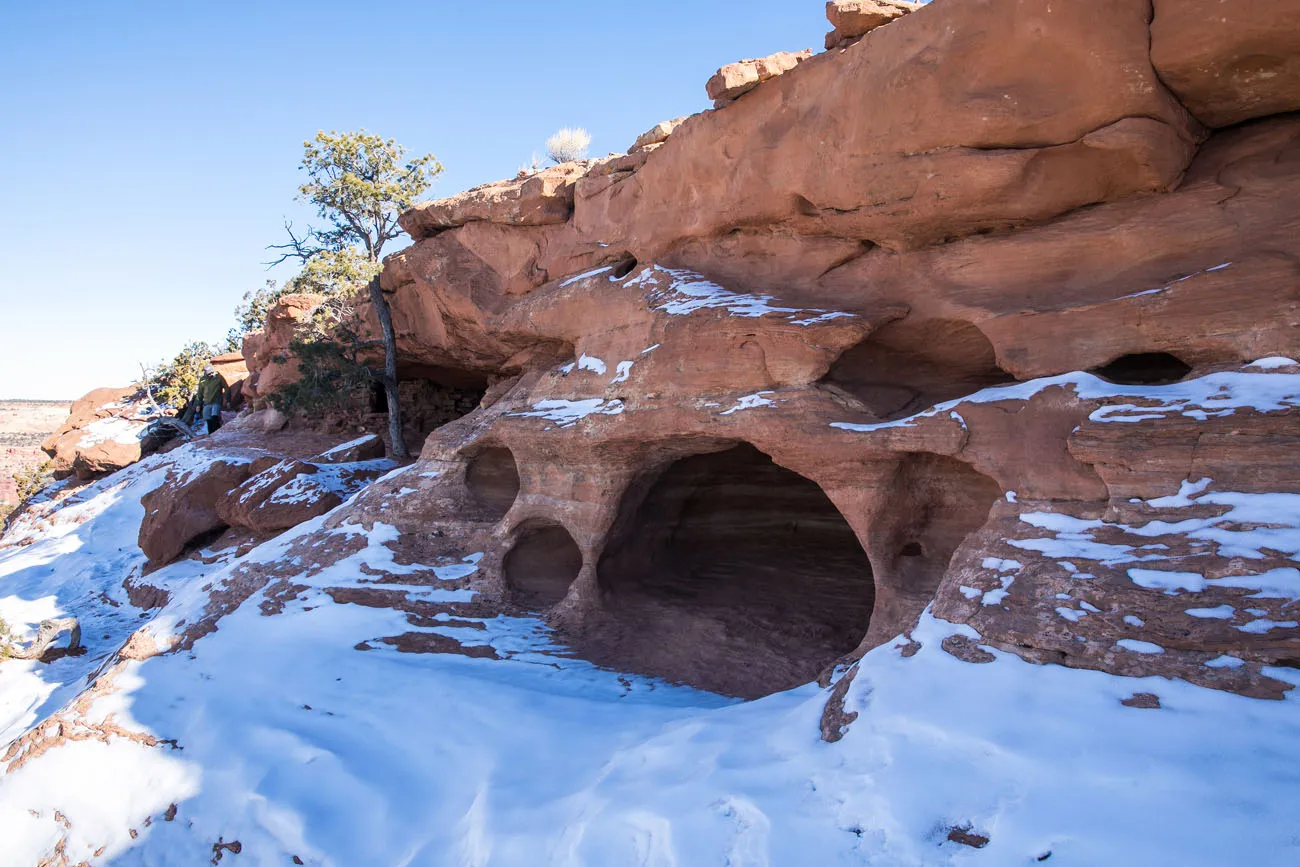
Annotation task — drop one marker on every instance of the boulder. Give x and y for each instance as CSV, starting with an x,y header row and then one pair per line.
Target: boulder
x,y
1229,60
185,507
854,18
231,366
277,498
104,432
657,134
540,199
736,79
262,421
364,448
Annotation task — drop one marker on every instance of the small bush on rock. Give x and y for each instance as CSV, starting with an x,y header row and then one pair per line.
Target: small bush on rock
x,y
568,145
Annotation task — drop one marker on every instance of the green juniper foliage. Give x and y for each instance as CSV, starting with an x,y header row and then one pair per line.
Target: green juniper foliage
x,y
360,183
175,381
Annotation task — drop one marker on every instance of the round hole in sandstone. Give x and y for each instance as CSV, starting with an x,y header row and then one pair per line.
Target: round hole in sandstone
x,y
1144,368
730,573
911,364
493,481
541,565
624,266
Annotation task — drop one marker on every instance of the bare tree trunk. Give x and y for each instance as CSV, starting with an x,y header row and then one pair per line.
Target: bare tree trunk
x,y
390,369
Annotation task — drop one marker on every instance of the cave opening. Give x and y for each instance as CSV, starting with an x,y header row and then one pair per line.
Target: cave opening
x,y
910,365
541,565
733,574
492,478
623,266
1144,368
430,397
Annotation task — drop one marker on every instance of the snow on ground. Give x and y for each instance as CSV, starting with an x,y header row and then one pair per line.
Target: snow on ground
x,y
296,744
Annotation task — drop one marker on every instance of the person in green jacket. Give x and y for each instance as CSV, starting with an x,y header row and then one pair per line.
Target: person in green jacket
x,y
211,394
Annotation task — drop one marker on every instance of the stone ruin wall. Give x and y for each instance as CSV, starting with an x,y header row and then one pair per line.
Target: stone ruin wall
x,y
698,355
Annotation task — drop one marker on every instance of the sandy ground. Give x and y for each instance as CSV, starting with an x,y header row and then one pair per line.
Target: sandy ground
x,y
24,424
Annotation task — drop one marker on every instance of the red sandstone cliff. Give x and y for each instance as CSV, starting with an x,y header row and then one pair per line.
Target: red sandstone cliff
x,y
708,365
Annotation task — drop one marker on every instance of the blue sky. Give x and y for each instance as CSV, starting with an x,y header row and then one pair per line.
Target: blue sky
x,y
149,150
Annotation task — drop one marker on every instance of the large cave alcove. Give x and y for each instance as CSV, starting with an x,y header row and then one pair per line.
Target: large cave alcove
x,y
912,364
541,565
732,574
431,396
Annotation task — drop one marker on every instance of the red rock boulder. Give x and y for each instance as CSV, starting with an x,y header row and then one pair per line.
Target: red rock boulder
x,y
104,433
185,507
277,498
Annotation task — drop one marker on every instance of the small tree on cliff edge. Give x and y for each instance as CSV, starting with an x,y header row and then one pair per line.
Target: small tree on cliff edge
x,y
360,183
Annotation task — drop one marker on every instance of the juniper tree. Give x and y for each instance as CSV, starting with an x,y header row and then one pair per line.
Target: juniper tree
x,y
360,183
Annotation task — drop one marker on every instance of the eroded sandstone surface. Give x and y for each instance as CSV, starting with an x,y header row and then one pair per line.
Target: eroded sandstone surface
x,y
954,368
927,320
756,395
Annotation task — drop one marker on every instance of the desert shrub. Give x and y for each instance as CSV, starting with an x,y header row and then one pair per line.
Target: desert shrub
x,y
34,479
568,145
174,382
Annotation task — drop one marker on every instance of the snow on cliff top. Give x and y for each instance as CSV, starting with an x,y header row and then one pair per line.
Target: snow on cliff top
x,y
277,732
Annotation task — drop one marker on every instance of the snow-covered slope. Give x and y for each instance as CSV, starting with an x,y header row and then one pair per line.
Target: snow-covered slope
x,y
291,734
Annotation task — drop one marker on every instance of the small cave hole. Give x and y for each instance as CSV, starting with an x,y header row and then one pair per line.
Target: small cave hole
x,y
624,266
493,481
733,574
1145,368
541,566
912,549
910,365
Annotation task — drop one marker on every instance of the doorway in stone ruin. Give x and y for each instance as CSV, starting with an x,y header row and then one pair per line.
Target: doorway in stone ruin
x,y
728,572
910,365
541,565
433,396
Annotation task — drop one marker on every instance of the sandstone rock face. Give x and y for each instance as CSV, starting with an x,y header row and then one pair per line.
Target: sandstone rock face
x,y
736,79
965,315
266,352
104,432
1229,60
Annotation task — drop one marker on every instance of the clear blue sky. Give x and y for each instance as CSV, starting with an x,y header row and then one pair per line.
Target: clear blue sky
x,y
149,150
